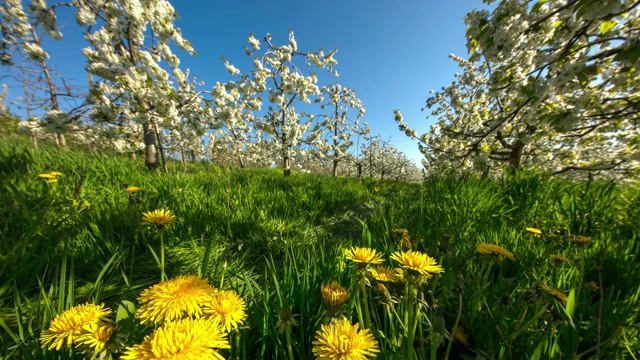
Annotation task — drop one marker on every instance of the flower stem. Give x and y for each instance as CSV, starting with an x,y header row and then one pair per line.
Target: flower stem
x,y
391,322
409,317
483,285
359,309
455,326
163,276
237,336
363,288
289,348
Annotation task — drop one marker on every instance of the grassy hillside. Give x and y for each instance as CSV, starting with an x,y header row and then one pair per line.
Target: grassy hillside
x,y
275,241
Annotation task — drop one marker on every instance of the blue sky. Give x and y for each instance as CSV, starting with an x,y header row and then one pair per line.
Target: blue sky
x,y
391,52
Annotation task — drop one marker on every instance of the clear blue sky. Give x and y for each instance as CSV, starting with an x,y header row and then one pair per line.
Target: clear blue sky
x,y
391,52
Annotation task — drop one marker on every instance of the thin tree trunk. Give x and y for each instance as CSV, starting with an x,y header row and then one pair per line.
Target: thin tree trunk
x,y
515,157
62,139
335,143
182,159
286,160
286,165
151,160
164,162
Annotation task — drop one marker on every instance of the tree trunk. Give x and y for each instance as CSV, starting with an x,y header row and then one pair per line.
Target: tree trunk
x,y
286,159
286,165
515,157
61,139
132,155
151,160
359,170
335,143
164,162
241,161
182,159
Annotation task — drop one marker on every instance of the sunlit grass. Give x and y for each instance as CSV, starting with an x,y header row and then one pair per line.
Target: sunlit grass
x,y
526,267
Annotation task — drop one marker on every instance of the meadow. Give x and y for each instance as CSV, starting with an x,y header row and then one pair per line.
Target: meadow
x,y
524,267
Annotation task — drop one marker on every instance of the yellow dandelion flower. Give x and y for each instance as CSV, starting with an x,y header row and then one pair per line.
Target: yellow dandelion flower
x,y
334,295
342,341
376,188
133,189
383,273
174,299
52,181
403,234
494,250
593,286
65,328
226,307
559,260
459,335
363,255
56,173
580,240
553,292
182,339
97,336
417,262
534,230
559,295
160,218
47,176
399,274
381,288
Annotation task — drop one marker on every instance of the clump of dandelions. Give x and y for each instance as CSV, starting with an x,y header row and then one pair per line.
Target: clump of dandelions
x,y
77,326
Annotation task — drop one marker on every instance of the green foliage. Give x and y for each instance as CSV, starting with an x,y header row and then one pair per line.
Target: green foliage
x,y
276,240
8,123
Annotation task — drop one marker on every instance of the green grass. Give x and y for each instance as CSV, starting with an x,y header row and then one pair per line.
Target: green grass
x,y
276,240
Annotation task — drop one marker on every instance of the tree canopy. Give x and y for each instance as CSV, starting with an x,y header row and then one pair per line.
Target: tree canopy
x,y
551,85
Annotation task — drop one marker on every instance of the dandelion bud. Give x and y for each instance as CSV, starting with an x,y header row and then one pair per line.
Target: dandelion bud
x,y
460,283
439,325
445,245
